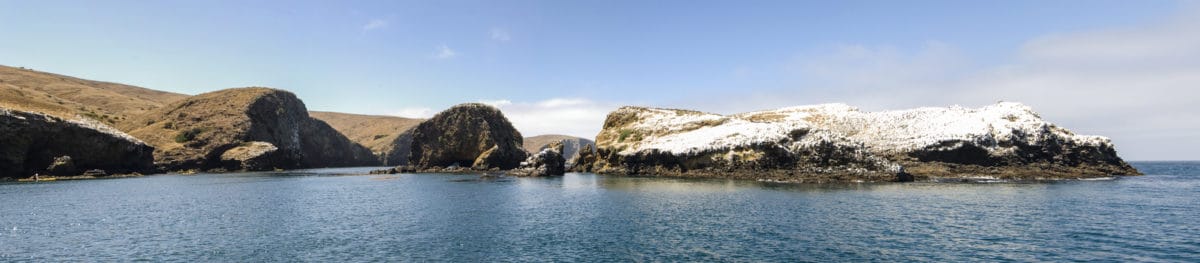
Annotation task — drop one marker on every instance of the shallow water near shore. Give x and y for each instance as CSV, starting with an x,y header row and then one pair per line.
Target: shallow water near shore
x,y
322,215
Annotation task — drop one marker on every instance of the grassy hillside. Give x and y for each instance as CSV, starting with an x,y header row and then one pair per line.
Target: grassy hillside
x,y
66,96
375,132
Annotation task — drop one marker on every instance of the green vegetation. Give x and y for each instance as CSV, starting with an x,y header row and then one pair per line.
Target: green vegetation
x,y
187,135
624,134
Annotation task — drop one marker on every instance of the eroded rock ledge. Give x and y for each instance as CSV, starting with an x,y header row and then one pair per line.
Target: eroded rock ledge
x,y
35,143
836,143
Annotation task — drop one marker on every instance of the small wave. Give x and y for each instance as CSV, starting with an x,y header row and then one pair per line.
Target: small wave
x,y
1099,179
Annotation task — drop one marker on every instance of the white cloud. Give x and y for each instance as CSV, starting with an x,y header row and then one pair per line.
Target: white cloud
x,y
500,34
496,103
567,116
1138,85
417,113
444,52
375,24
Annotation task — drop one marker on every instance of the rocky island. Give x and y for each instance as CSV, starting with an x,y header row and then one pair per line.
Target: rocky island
x,y
839,143
471,135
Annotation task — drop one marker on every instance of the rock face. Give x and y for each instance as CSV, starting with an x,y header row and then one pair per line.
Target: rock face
x,y
235,129
548,162
571,145
39,143
399,150
836,142
471,135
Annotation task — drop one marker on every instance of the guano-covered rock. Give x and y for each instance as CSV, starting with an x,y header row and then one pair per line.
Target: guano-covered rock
x,y
835,142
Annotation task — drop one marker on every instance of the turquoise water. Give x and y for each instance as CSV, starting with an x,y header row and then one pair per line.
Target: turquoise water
x,y
318,215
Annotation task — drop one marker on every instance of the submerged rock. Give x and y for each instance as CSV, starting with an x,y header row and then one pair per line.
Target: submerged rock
x,y
835,142
396,170
472,136
548,162
39,143
199,132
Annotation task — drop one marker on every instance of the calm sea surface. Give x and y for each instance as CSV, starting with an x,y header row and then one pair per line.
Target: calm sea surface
x,y
320,215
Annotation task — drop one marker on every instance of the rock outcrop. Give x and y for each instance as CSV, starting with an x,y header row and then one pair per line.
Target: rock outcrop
x,y
244,129
835,142
571,145
38,143
470,135
547,162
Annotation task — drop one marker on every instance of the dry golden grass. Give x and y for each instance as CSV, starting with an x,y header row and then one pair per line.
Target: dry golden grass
x,y
220,114
66,97
375,132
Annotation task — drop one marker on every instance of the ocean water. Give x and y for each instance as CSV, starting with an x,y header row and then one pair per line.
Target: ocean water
x,y
323,215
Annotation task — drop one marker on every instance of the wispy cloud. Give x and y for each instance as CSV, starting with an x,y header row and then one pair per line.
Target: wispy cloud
x,y
417,113
444,52
568,116
500,34
374,24
496,103
1136,84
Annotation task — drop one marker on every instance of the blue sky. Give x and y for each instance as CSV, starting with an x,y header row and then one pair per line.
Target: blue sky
x,y
1097,67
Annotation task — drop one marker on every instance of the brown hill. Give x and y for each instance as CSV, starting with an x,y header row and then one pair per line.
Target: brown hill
x,y
66,96
388,137
243,129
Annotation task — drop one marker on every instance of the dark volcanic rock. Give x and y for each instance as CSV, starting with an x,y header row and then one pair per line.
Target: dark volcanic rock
x,y
586,160
548,162
471,135
35,143
62,166
199,132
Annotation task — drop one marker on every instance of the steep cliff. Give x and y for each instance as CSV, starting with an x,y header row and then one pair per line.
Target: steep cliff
x,y
196,133
44,144
835,142
467,135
